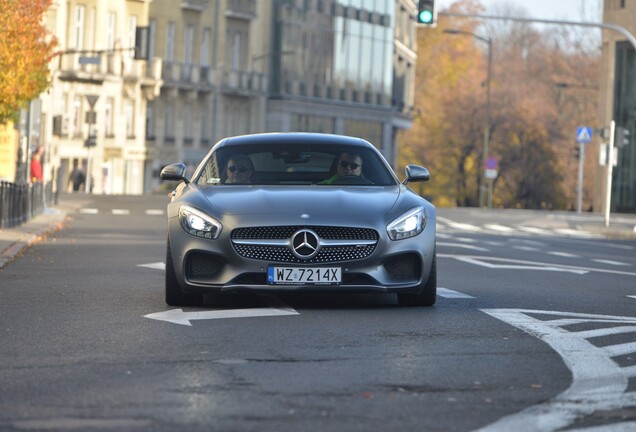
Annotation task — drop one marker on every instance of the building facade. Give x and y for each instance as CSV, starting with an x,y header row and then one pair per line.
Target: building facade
x,y
234,67
618,103
94,113
217,68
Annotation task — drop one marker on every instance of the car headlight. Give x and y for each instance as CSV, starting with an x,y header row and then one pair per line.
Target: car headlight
x,y
408,224
199,224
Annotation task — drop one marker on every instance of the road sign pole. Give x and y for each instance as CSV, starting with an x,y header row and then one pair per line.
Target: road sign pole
x,y
579,189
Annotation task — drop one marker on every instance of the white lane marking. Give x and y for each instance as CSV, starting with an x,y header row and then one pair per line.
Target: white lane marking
x,y
448,293
89,211
120,212
479,260
620,349
466,239
457,225
563,254
588,334
154,212
527,248
518,265
499,228
610,262
464,246
634,296
155,266
598,383
615,427
574,233
178,316
534,230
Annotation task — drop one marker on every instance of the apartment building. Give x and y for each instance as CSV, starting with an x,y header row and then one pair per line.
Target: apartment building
x,y
94,114
618,103
244,66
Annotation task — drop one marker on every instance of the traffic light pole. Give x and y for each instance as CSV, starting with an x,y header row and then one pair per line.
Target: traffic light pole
x,y
610,169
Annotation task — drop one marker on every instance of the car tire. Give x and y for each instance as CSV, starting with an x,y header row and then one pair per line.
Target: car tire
x,y
174,295
428,293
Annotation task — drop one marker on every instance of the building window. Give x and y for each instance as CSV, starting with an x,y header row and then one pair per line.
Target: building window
x,y
111,30
205,48
150,122
170,34
188,47
129,110
235,51
77,115
152,31
132,28
168,123
79,26
108,117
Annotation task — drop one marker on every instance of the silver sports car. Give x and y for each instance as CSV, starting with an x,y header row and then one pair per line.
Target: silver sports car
x,y
298,211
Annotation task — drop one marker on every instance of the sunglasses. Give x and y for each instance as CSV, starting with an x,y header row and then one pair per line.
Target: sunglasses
x,y
353,165
240,168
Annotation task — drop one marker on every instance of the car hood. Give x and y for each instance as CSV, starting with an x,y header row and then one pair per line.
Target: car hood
x,y
317,203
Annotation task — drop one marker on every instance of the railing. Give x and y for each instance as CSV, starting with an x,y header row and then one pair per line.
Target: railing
x,y
19,202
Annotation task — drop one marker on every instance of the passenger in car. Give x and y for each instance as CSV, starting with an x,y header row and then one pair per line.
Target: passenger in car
x,y
346,164
239,169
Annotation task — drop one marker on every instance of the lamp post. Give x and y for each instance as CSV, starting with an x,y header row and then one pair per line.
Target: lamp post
x,y
482,185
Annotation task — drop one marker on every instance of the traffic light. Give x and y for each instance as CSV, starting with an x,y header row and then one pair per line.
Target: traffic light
x,y
427,13
622,137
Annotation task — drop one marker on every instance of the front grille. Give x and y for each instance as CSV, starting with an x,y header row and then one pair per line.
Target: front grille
x,y
283,254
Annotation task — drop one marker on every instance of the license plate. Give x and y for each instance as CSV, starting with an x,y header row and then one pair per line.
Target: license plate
x,y
304,275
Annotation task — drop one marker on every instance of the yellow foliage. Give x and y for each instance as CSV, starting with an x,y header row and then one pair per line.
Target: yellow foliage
x,y
25,51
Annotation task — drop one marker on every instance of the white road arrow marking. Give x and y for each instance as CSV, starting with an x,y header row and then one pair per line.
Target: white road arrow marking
x,y
178,316
598,383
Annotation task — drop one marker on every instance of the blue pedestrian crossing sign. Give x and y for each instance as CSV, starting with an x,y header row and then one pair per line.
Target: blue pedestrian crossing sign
x,y
583,135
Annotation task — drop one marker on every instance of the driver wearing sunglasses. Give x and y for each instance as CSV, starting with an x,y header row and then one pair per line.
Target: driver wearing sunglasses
x,y
348,164
239,169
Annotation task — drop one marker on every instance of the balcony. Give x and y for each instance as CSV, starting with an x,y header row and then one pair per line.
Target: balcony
x,y
243,82
194,5
241,9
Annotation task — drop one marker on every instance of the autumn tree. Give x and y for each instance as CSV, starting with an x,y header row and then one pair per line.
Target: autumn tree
x,y
533,117
25,51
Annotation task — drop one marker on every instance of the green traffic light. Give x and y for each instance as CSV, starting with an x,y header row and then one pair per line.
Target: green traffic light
x,y
426,16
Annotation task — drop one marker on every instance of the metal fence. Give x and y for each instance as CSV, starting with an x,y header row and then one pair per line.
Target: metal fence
x,y
20,202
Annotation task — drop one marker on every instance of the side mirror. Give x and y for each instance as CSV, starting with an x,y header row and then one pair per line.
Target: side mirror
x,y
415,173
174,172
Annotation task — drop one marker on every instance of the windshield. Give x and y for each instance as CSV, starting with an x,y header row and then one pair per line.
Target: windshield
x,y
290,164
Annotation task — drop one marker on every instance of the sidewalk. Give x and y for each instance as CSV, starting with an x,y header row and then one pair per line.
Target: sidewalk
x,y
14,241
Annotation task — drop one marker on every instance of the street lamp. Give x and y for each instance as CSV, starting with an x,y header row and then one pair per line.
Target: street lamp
x,y
488,41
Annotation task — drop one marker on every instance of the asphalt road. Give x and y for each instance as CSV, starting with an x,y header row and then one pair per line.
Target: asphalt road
x,y
534,329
